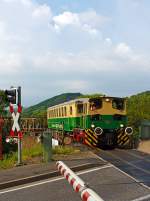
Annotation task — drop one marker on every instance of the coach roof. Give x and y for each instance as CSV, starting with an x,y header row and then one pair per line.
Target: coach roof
x,y
82,100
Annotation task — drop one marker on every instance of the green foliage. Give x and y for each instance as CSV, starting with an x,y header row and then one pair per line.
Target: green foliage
x,y
91,95
3,103
138,108
40,109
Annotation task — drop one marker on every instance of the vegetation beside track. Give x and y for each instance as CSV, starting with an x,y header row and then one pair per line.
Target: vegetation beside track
x,y
32,152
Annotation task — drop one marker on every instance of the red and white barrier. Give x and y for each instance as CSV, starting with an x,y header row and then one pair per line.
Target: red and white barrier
x,y
78,184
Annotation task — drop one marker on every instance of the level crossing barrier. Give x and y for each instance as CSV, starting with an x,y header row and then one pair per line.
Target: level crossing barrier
x,y
77,183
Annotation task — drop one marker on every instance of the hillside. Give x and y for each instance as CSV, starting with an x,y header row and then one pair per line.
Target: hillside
x,y
40,109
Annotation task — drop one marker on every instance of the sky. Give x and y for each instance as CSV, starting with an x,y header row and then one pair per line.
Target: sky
x,y
49,47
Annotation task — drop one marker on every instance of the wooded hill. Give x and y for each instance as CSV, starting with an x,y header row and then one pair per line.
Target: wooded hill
x,y
138,106
39,110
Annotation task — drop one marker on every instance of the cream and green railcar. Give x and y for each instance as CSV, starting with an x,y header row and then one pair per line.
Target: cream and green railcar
x,y
99,121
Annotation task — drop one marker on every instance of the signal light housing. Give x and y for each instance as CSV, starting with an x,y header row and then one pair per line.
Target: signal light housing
x,y
11,95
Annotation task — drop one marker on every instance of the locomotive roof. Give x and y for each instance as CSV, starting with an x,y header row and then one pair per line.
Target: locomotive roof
x,y
83,100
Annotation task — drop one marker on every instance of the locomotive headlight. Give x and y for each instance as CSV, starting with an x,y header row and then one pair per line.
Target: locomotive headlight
x,y
92,126
129,130
121,125
98,131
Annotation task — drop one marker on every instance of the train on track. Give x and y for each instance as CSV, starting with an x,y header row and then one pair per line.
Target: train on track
x,y
100,121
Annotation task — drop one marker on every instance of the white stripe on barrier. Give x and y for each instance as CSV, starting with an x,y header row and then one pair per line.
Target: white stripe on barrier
x,y
78,184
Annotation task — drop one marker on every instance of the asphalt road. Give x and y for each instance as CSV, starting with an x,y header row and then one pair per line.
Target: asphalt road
x,y
109,182
134,163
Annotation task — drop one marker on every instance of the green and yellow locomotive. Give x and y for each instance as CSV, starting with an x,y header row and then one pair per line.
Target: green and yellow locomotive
x,y
99,121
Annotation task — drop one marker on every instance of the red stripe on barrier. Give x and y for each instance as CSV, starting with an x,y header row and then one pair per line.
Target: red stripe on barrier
x,y
60,168
78,187
85,196
72,181
63,172
67,176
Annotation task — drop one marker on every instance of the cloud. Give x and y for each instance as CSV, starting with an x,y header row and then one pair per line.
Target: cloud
x,y
88,21
42,11
122,49
82,57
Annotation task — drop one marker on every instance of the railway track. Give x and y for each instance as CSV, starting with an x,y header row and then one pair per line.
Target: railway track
x,y
134,163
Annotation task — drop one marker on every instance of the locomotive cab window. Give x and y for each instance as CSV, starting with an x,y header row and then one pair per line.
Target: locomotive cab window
x,y
95,104
118,104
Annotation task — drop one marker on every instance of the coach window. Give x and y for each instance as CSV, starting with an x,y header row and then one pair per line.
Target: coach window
x,y
80,108
65,111
70,110
59,112
62,112
85,108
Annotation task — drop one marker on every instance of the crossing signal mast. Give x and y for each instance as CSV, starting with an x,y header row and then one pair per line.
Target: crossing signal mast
x,y
13,96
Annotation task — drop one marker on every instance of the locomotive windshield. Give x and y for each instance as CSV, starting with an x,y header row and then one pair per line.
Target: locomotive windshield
x,y
95,103
118,103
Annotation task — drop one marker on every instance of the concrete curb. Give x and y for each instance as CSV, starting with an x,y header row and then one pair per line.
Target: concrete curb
x,y
44,176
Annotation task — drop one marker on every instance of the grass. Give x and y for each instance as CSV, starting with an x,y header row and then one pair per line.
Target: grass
x,y
64,150
32,151
31,148
8,161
